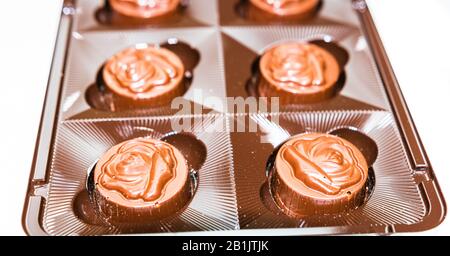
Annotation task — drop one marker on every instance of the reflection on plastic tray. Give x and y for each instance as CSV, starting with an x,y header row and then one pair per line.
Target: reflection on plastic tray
x,y
231,191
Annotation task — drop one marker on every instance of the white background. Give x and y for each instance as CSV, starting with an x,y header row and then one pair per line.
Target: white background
x,y
416,35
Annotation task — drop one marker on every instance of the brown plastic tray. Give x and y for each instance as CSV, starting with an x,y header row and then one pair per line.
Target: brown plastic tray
x,y
231,197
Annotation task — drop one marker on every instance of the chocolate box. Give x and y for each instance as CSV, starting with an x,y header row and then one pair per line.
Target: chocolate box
x,y
227,133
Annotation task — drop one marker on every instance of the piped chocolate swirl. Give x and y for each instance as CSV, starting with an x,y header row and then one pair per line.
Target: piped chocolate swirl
x,y
286,7
282,10
144,9
140,180
318,174
144,76
298,72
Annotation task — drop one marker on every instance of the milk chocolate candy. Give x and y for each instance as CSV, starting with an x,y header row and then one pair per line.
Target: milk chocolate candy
x,y
140,181
143,76
220,55
282,10
298,72
144,9
318,174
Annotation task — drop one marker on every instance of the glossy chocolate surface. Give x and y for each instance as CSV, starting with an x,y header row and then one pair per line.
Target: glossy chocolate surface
x,y
364,143
134,79
286,7
298,73
144,178
231,184
144,72
144,8
318,174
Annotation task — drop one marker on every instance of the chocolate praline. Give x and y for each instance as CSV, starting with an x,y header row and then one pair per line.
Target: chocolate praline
x,y
318,174
146,9
140,181
298,72
143,76
282,10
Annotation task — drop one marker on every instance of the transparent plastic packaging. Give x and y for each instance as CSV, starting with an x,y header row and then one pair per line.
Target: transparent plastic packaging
x,y
220,43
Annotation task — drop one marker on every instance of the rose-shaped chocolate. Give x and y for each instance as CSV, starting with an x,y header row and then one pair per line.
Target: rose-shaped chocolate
x,y
144,8
143,71
144,75
296,65
286,7
298,72
326,164
139,170
319,173
141,176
